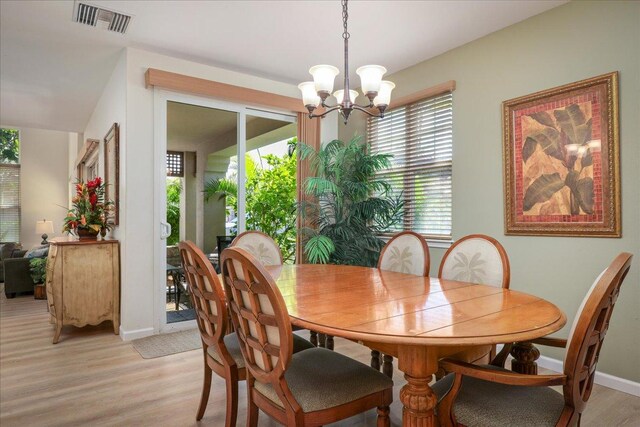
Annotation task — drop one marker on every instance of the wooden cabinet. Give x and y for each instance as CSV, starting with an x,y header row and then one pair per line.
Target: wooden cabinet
x,y
83,283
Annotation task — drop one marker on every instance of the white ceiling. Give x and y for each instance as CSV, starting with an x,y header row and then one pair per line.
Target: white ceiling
x,y
52,70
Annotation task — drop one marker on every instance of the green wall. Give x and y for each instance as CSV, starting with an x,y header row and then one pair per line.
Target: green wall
x,y
569,43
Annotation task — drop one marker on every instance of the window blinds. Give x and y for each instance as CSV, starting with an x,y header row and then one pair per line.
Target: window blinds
x,y
419,136
9,203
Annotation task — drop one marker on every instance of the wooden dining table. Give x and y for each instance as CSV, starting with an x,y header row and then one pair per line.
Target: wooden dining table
x,y
417,319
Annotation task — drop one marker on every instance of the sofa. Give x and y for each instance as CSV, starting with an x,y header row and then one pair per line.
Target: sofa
x,y
7,250
17,271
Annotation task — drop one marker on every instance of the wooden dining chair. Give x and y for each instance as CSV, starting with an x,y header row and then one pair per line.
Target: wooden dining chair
x,y
489,395
478,258
260,245
310,388
221,349
406,252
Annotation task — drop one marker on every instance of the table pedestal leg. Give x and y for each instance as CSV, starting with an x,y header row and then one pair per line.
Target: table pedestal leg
x,y
525,355
418,399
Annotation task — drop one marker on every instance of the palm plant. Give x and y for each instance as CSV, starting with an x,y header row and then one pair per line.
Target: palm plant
x,y
348,206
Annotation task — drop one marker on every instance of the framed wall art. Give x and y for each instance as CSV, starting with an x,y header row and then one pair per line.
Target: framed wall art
x,y
561,160
112,171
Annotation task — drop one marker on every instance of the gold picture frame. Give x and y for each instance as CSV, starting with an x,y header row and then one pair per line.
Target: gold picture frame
x,y
561,160
112,172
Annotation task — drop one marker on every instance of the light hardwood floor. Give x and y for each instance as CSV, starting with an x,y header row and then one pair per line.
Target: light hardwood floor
x,y
93,378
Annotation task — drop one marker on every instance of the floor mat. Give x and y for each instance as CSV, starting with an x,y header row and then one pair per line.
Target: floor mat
x,y
166,344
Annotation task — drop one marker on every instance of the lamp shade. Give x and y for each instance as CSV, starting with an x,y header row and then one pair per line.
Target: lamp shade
x,y
323,77
44,227
384,95
339,94
370,77
309,95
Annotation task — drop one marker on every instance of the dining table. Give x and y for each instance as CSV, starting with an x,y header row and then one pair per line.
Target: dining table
x,y
416,319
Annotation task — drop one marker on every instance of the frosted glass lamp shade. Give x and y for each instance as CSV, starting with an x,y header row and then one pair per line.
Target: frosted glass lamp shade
x,y
370,77
384,94
309,95
339,94
323,77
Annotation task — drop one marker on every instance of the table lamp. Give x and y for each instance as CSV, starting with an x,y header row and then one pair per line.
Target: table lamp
x,y
43,227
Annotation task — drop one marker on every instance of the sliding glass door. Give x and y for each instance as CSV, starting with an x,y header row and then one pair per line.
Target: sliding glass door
x,y
221,168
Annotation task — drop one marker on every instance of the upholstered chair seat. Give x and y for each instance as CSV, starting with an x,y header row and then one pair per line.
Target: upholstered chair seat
x,y
483,403
321,379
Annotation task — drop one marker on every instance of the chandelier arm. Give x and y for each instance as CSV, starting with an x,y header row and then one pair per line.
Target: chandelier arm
x,y
364,110
313,116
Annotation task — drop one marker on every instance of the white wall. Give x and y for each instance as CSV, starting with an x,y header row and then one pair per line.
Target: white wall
x,y
142,231
111,108
44,181
540,53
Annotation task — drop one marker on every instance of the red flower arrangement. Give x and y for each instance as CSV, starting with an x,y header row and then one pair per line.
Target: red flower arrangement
x,y
89,212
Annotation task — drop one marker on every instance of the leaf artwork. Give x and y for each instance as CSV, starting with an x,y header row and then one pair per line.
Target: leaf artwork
x,y
556,155
469,269
401,260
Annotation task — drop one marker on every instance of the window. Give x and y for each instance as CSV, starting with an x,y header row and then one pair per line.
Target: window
x,y
9,185
419,136
175,163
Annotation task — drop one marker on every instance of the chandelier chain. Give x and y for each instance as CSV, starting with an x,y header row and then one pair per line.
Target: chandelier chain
x,y
345,17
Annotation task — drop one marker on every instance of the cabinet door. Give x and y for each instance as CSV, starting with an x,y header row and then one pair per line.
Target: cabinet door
x,y
87,284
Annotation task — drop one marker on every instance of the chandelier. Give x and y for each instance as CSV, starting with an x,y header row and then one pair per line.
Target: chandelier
x,y
315,93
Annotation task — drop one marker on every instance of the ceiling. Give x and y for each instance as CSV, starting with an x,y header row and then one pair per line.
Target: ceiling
x,y
53,71
189,126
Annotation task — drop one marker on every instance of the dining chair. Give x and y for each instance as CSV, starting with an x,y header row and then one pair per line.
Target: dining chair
x,y
489,395
221,349
260,245
310,388
406,252
478,258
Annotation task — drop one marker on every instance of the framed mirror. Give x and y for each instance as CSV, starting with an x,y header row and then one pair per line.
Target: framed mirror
x,y
112,171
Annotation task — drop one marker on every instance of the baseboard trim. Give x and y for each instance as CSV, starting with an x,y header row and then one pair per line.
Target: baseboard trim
x,y
135,334
607,380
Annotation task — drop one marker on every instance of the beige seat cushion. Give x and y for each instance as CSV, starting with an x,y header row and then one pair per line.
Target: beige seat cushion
x,y
233,346
483,403
321,379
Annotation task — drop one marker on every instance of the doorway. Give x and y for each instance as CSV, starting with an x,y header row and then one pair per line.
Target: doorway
x,y
207,195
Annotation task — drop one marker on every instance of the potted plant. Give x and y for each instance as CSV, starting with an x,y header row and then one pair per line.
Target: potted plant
x,y
348,207
38,271
88,217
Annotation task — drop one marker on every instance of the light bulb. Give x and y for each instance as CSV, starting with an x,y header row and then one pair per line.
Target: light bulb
x,y
370,77
339,94
309,95
323,77
384,94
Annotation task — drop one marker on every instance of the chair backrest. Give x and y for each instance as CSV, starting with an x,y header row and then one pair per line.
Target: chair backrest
x,y
260,245
588,332
207,296
476,258
407,252
259,315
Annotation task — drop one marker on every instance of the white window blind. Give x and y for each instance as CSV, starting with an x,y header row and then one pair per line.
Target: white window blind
x,y
9,202
419,136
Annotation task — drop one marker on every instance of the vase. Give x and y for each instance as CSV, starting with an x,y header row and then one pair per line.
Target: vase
x,y
87,234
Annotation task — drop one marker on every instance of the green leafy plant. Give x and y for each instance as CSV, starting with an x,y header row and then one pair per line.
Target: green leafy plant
x,y
174,189
9,145
38,269
89,208
348,206
270,198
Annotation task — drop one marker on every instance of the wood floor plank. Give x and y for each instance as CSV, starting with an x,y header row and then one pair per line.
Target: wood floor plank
x,y
93,378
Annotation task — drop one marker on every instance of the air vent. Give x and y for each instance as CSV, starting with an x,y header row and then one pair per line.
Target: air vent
x,y
87,14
